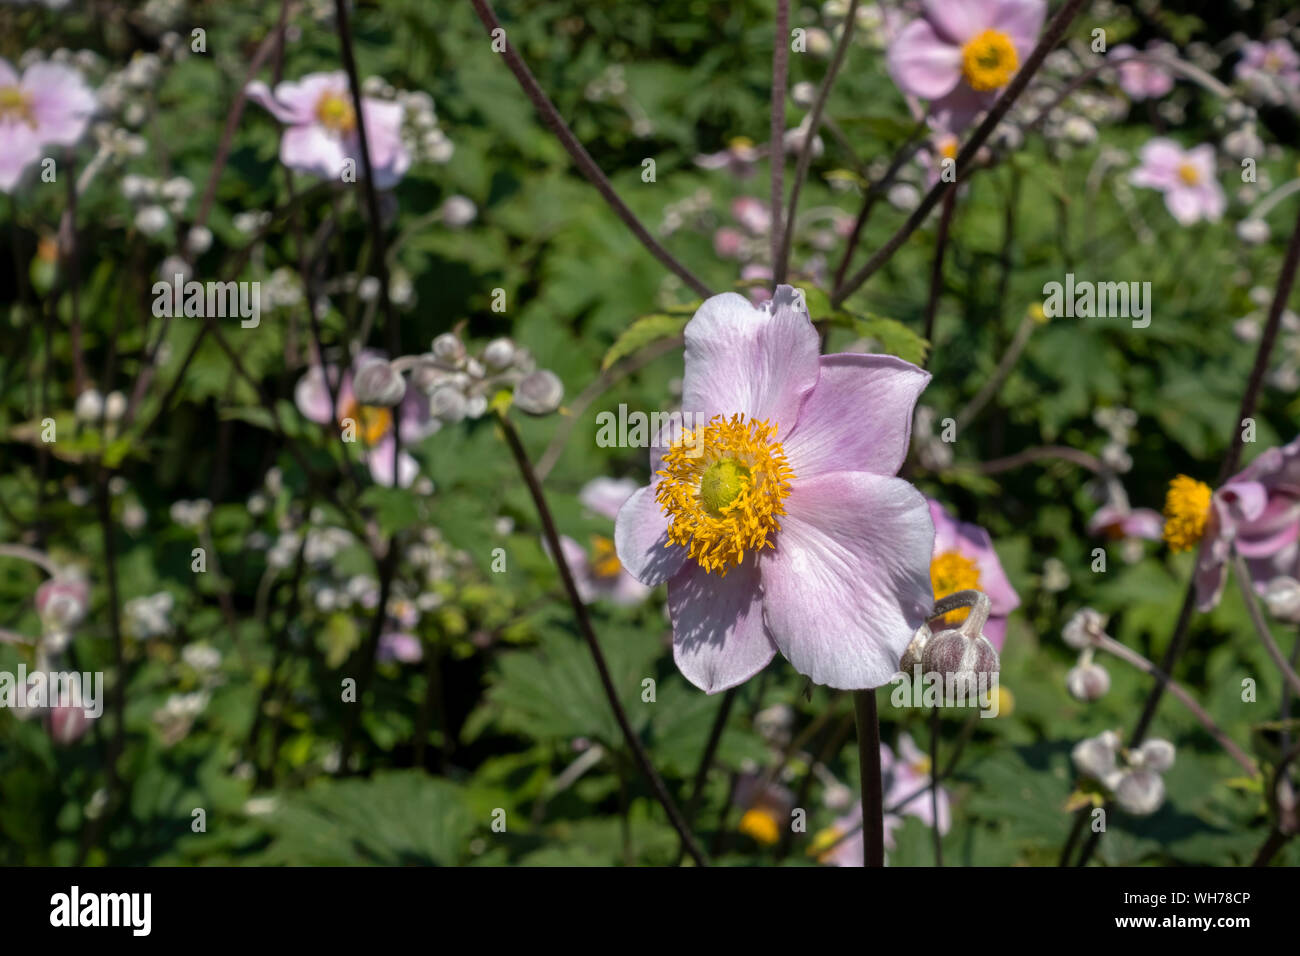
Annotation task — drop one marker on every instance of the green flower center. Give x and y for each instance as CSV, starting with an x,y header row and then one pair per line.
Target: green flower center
x,y
722,483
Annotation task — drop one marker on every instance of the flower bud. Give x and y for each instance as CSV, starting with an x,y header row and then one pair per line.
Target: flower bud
x,y
499,354
1096,756
952,652
1140,792
449,349
1154,754
67,725
539,393
114,406
1087,682
1084,628
377,383
447,404
89,406
1282,595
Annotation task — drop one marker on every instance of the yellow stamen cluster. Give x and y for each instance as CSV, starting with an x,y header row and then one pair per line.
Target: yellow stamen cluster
x,y
335,113
722,489
1189,174
604,559
372,422
950,572
761,825
15,105
1187,508
989,60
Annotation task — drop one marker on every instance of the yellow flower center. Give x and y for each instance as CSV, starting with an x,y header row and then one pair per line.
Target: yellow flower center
x,y
335,113
722,490
948,147
1187,508
988,61
1006,701
761,825
371,421
15,105
1189,174
950,572
604,559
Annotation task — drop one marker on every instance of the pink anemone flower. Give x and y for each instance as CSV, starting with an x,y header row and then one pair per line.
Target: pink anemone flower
x,y
1142,79
322,137
598,573
1257,512
372,425
961,54
49,105
777,521
964,558
1186,177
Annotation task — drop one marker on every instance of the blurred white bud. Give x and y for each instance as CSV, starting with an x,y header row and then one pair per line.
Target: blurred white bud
x,y
376,382
1282,595
539,393
499,354
89,406
1084,628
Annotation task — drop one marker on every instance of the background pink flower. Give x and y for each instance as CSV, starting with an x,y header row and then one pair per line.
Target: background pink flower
x,y
1186,177
49,105
961,53
322,138
964,558
1141,79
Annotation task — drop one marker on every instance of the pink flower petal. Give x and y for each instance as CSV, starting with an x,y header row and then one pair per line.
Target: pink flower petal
x,y
640,536
1022,20
719,639
922,63
758,362
858,418
313,149
959,20
849,581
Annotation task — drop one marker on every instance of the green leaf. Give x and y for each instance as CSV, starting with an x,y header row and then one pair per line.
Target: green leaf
x,y
646,330
894,337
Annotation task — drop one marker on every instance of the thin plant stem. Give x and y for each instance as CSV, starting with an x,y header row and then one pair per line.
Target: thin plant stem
x,y
706,761
589,635
776,127
377,259
873,801
1130,656
1242,574
935,835
936,271
1005,365
814,121
581,158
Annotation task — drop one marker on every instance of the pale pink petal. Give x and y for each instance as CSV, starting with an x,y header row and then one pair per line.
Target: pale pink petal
x,y
1184,205
719,639
312,397
1022,20
922,64
959,20
858,418
849,581
61,102
380,460
313,149
299,99
758,362
21,149
640,536
605,496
